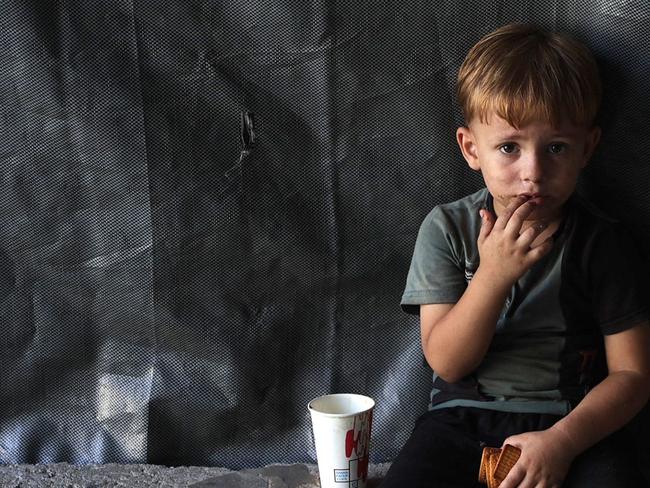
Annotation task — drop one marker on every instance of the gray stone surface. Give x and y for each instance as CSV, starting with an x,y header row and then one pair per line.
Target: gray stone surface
x,y
63,475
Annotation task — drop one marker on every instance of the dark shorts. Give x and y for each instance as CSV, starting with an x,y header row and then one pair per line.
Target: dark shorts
x,y
445,448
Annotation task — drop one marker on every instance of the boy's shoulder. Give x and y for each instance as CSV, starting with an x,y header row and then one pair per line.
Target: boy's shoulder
x,y
463,212
457,222
592,227
593,222
589,209
467,203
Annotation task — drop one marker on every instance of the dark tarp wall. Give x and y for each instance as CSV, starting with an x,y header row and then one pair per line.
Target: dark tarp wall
x,y
176,285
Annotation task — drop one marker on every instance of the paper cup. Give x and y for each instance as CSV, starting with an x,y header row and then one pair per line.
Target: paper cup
x,y
341,424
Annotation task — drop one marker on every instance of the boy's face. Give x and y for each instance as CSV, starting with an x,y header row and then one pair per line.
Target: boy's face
x,y
536,160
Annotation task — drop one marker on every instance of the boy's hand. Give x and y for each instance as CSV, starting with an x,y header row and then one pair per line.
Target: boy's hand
x,y
544,462
504,250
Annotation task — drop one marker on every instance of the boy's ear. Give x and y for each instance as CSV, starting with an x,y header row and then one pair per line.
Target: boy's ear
x,y
467,146
591,141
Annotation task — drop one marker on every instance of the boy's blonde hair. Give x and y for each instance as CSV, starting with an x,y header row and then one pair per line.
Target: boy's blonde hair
x,y
522,73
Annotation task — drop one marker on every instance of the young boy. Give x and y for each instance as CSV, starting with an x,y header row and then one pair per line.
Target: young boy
x,y
530,313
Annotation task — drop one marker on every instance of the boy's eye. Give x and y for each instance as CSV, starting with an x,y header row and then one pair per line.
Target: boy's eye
x,y
507,148
556,148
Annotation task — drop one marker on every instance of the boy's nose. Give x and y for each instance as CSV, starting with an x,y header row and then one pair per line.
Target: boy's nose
x,y
532,168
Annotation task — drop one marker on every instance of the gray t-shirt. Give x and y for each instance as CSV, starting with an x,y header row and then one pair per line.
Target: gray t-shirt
x,y
548,349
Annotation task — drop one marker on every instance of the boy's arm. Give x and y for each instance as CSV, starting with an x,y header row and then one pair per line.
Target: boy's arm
x,y
456,337
620,396
546,455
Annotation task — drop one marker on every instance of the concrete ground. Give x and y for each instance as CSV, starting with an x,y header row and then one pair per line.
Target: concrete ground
x,y
63,475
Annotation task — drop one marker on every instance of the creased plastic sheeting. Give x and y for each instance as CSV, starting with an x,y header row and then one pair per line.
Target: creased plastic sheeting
x,y
171,296
76,304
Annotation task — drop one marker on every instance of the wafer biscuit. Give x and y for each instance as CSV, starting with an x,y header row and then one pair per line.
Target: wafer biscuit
x,y
488,452
492,464
507,459
496,463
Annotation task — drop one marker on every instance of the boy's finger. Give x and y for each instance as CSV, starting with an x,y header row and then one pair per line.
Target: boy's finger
x,y
486,223
514,478
531,233
543,249
513,226
504,218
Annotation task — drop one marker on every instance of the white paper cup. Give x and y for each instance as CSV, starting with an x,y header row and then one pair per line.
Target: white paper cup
x,y
341,424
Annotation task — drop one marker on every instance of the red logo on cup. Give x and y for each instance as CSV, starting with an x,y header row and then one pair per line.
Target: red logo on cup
x,y
359,443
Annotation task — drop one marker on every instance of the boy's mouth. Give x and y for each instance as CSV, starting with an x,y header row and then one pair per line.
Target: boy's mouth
x,y
537,198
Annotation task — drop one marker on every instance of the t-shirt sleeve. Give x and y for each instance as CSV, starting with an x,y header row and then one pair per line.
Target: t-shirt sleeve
x,y
435,275
616,281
